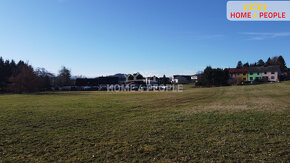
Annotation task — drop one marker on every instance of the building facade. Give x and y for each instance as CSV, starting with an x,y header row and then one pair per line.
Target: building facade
x,y
250,74
271,73
182,79
254,73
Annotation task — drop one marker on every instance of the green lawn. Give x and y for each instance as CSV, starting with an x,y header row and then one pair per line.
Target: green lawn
x,y
199,124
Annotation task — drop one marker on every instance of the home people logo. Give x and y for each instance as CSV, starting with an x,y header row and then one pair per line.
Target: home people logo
x,y
258,11
136,82
251,6
134,77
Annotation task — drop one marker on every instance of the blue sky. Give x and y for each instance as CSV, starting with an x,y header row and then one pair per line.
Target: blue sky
x,y
154,37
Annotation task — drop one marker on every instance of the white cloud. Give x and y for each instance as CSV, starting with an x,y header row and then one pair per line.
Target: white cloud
x,y
263,36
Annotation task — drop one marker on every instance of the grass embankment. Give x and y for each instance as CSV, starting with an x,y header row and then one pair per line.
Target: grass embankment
x,y
225,123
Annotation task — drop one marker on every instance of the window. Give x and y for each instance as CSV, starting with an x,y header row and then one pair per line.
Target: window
x,y
251,78
265,72
272,77
258,78
258,73
244,73
251,73
272,72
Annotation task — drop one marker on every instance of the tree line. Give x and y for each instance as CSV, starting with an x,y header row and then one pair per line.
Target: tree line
x,y
277,60
22,77
213,77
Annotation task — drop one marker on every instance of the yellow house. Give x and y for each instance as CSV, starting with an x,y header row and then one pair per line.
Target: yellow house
x,y
242,75
239,73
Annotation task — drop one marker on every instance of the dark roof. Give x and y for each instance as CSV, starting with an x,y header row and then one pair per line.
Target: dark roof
x,y
187,77
255,69
237,70
264,69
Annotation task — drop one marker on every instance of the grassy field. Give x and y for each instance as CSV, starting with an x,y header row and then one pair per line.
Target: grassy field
x,y
199,124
